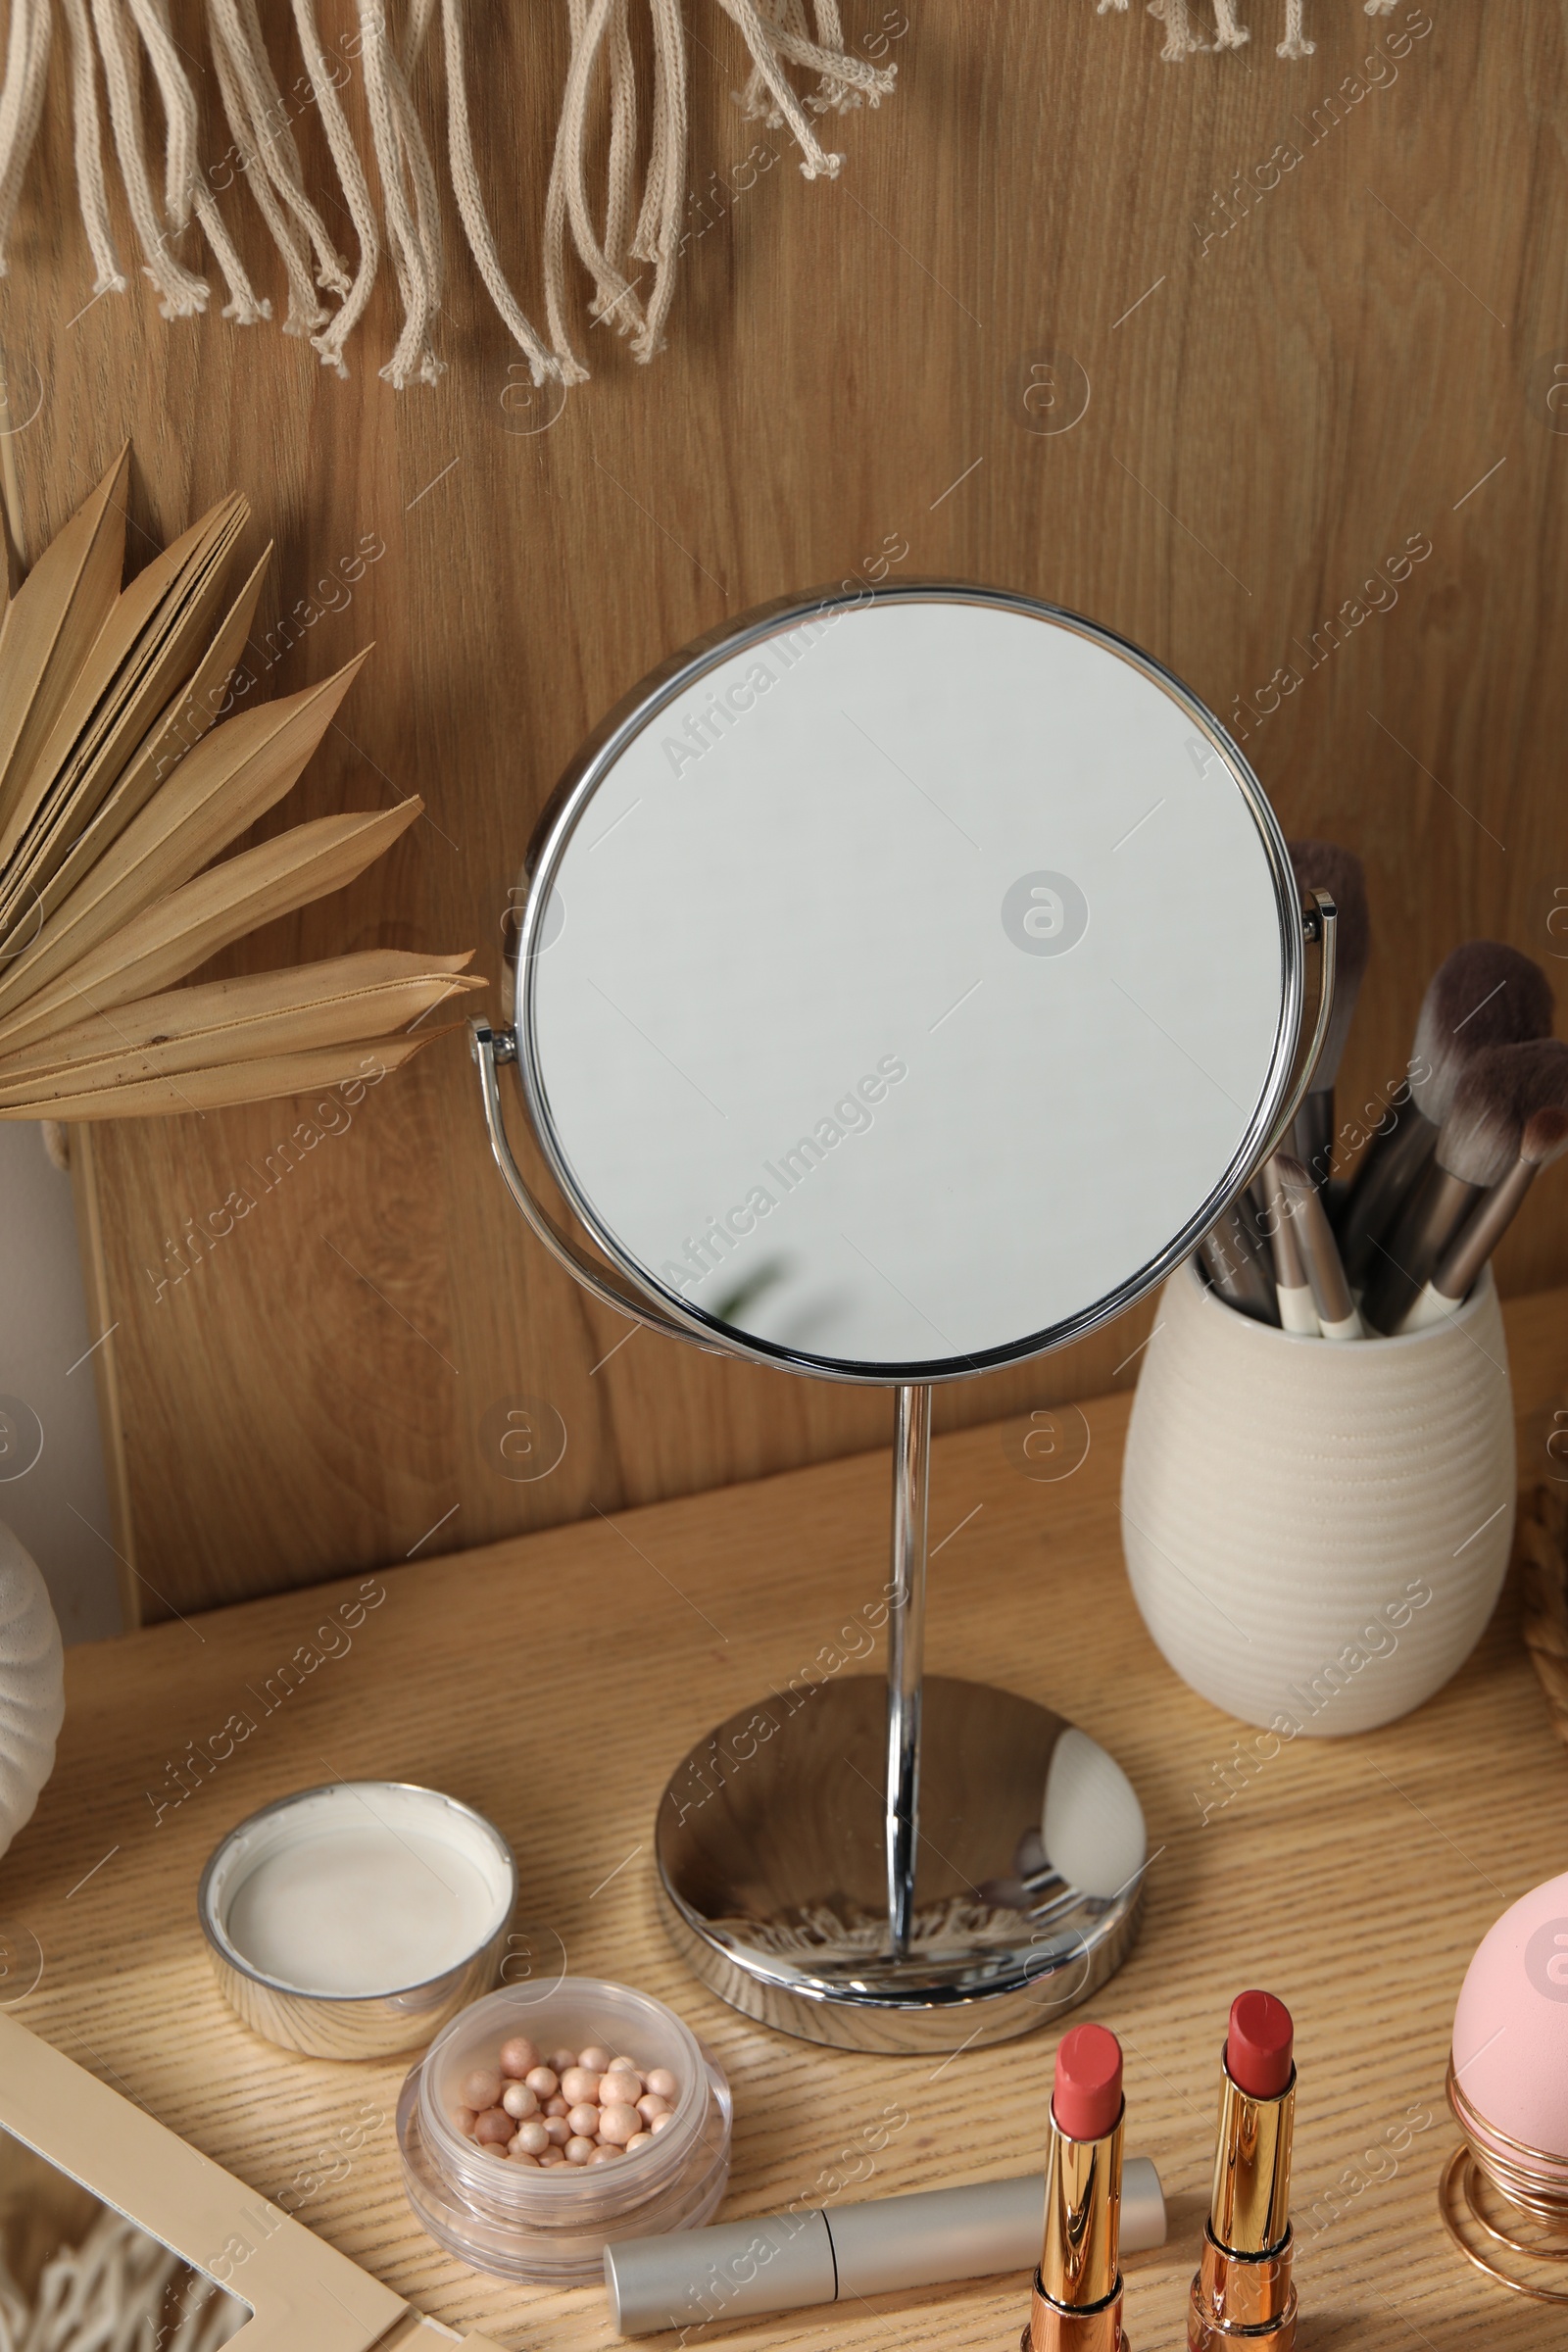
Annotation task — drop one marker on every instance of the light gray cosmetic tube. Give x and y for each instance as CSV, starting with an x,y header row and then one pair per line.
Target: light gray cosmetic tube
x,y
785,2261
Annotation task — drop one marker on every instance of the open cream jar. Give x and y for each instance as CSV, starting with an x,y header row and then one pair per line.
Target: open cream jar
x,y
353,1921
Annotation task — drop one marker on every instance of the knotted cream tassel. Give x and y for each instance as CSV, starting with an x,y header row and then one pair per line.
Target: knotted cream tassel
x,y
568,366
235,24
244,305
356,192
179,112
622,133
846,80
1180,38
470,201
1296,44
91,193
612,295
180,294
305,312
566,198
422,14
414,244
657,238
21,103
183,186
283,155
756,99
419,173
1229,32
764,38
836,94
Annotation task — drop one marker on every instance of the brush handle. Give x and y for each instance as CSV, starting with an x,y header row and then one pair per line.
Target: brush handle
x,y
1312,1135
1469,1251
1421,1235
1232,1258
1298,1314
1331,1293
1391,1166
1297,1310
1429,1307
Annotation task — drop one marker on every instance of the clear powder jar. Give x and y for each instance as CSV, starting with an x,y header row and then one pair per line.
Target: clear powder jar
x,y
551,2226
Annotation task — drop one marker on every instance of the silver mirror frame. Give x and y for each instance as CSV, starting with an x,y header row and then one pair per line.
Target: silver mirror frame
x,y
907,1989
564,812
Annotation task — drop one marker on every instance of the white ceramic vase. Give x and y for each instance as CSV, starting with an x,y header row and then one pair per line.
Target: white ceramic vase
x,y
32,1686
1318,1532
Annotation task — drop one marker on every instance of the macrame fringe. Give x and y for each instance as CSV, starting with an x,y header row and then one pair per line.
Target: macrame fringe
x,y
777,34
1229,31
88,148
624,236
1296,44
22,102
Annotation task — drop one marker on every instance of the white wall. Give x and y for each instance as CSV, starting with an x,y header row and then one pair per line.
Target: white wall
x,y
58,1503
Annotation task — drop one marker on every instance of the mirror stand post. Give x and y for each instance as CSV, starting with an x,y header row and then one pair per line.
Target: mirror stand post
x,y
912,1489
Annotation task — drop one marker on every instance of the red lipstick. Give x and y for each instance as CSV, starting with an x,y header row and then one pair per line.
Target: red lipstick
x,y
1086,2099
1077,2294
1242,2289
1259,2046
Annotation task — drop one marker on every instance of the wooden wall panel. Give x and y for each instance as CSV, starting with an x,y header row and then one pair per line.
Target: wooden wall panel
x,y
1313,335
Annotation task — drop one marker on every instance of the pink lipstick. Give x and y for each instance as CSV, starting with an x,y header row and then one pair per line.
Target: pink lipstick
x,y
1242,2289
1077,2293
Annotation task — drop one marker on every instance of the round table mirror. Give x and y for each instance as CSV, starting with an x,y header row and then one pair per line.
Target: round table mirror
x,y
907,981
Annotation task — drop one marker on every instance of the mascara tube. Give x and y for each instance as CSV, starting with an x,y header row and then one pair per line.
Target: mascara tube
x,y
787,2261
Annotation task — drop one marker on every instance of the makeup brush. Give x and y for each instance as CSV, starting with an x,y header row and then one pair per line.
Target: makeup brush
x,y
1324,866
1233,1256
1544,1138
1294,1291
1331,1293
1481,994
1477,1145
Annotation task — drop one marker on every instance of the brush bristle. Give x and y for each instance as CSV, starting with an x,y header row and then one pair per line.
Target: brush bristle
x,y
1324,866
1537,1076
1480,1139
1484,994
1545,1137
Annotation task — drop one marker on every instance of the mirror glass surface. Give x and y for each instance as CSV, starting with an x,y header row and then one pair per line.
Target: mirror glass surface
x,y
74,2271
906,982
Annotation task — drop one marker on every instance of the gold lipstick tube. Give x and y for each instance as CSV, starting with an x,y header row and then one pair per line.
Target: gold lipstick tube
x,y
1243,2293
1077,2292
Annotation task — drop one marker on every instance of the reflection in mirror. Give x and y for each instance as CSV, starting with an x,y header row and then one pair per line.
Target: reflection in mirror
x,y
904,985
77,2277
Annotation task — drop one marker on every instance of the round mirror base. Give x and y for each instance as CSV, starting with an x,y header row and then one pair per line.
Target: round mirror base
x,y
772,1873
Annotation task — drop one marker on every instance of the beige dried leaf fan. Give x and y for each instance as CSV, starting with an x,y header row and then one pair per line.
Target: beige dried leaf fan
x,y
118,792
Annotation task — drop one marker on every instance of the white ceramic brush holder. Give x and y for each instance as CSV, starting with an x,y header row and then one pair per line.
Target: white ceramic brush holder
x,y
1318,1530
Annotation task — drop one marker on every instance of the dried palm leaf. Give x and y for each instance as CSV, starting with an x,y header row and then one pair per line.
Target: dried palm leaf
x,y
118,791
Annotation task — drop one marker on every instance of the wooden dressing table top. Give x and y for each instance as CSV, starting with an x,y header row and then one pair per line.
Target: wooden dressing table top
x,y
1354,1877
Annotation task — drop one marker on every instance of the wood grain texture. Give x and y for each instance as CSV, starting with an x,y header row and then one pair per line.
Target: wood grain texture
x,y
1354,1877
1287,385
